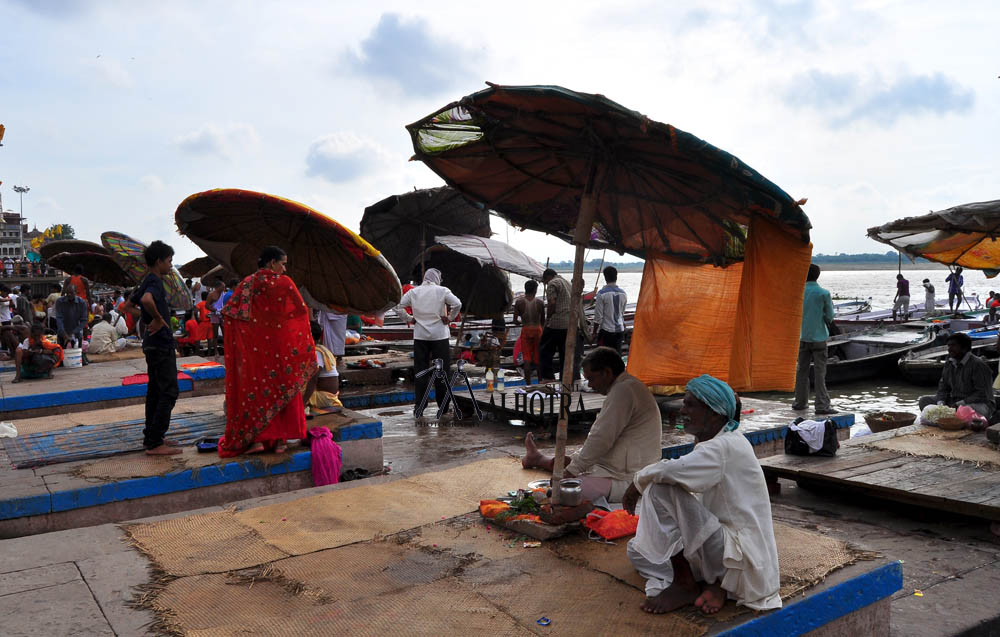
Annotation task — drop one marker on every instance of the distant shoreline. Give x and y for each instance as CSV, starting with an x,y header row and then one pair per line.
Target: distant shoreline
x,y
827,267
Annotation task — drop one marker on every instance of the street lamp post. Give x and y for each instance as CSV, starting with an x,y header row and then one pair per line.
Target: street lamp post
x,y
20,190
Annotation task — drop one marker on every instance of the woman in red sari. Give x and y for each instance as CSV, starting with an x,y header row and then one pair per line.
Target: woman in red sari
x,y
270,357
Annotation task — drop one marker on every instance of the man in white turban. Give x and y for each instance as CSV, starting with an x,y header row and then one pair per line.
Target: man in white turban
x,y
434,307
705,531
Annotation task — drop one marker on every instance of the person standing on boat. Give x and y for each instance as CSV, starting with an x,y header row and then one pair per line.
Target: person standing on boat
x,y
902,298
609,312
530,310
955,282
434,306
928,296
557,298
817,313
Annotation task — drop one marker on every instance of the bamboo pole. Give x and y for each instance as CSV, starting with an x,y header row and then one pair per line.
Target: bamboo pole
x,y
581,236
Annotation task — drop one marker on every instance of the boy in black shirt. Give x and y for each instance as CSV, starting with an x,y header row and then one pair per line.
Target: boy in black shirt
x,y
149,303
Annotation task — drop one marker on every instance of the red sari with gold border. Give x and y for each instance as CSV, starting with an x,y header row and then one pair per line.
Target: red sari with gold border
x,y
270,356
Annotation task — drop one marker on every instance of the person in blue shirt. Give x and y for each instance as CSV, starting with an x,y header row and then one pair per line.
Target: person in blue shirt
x,y
955,281
817,313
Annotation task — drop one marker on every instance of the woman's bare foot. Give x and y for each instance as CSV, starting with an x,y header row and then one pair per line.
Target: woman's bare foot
x,y
281,447
532,456
672,598
256,448
163,450
711,600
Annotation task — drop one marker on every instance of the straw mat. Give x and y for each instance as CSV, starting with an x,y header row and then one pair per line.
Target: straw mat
x,y
219,600
935,443
350,515
129,353
362,570
805,558
207,543
439,608
133,465
589,602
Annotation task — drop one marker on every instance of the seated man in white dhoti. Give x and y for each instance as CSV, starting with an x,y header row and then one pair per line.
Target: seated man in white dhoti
x,y
705,530
624,438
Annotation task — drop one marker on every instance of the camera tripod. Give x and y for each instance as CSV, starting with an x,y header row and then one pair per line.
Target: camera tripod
x,y
437,369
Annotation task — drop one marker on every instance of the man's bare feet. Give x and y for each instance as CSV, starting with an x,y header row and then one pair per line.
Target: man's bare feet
x,y
163,450
16,380
711,600
532,456
672,598
171,443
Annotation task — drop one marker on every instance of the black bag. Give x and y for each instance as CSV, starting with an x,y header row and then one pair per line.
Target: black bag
x,y
795,446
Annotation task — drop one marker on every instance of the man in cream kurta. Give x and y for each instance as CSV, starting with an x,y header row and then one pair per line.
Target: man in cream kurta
x,y
624,438
706,515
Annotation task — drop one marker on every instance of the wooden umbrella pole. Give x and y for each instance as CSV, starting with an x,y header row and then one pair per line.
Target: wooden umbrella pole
x,y
597,279
581,236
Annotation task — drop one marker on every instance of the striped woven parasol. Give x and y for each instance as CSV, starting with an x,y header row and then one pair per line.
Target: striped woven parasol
x,y
128,253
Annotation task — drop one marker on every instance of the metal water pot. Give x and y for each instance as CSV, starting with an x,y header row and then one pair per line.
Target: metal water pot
x,y
570,492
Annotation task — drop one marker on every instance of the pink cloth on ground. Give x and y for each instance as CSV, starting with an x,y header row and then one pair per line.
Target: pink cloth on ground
x,y
326,457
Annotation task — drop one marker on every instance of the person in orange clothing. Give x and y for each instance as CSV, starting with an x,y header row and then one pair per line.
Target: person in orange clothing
x,y
35,357
530,310
81,284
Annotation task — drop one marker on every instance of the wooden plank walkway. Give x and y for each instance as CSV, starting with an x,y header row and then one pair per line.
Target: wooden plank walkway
x,y
938,483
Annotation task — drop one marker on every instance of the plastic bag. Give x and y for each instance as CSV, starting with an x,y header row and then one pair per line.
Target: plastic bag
x,y
930,414
967,414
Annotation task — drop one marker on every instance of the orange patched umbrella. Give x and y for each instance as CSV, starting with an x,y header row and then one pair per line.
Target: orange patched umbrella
x,y
967,235
332,264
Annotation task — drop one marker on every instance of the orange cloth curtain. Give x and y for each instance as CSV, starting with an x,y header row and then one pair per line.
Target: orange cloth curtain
x,y
740,323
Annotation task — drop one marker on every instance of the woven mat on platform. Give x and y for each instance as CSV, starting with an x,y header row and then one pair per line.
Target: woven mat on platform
x,y
207,543
328,520
129,353
936,443
139,465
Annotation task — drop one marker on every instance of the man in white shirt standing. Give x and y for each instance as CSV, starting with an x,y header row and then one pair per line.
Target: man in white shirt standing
x,y
434,307
609,312
706,516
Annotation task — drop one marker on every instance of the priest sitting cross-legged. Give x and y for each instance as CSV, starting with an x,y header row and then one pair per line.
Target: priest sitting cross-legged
x,y
624,438
705,530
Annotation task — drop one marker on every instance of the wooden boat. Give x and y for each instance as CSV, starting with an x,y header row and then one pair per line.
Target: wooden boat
x,y
858,356
925,367
847,308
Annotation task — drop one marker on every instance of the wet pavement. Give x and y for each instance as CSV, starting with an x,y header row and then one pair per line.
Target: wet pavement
x,y
408,446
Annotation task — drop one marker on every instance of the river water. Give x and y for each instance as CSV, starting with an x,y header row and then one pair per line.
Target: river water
x,y
890,393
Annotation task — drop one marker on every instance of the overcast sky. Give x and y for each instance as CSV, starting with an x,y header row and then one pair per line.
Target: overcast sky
x,y
117,110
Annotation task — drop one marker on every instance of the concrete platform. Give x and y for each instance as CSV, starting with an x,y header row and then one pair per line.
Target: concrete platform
x,y
91,577
79,389
76,494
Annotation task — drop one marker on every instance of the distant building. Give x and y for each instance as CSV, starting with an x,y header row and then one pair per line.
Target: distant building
x,y
14,241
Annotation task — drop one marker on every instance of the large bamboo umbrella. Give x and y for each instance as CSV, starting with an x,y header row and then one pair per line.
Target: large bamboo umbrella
x,y
965,235
591,171
335,266
50,249
197,267
404,226
128,252
97,266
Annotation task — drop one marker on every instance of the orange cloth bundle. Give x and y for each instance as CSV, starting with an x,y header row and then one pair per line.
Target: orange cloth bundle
x,y
611,525
491,508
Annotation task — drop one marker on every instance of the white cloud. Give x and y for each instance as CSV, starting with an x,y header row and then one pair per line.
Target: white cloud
x,y
222,141
152,183
343,156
